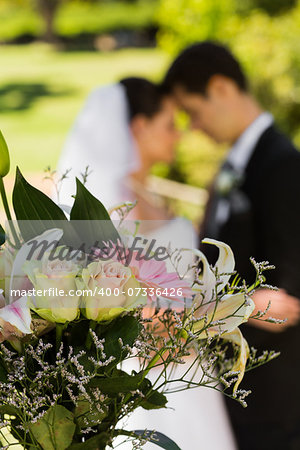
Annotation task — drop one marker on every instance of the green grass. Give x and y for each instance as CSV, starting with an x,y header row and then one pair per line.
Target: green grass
x,y
42,90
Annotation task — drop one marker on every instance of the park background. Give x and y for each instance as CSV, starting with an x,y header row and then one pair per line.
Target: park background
x,y
54,52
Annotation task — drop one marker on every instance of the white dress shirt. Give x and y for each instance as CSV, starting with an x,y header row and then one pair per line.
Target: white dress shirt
x,y
243,148
239,157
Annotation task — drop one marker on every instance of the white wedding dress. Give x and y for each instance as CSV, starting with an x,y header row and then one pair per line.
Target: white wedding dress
x,y
195,419
101,139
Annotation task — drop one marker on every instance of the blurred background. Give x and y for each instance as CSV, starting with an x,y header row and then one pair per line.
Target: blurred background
x,y
53,52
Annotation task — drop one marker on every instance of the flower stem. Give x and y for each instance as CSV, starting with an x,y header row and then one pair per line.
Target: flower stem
x,y
89,340
58,333
7,212
155,359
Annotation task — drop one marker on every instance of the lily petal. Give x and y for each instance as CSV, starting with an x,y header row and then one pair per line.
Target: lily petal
x,y
18,315
232,310
237,338
207,279
225,262
2,299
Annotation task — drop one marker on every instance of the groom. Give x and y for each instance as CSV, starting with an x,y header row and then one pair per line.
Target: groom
x,y
254,206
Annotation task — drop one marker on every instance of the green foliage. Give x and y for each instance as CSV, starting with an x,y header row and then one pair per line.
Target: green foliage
x,y
32,204
34,207
125,328
102,17
55,430
272,7
154,400
7,409
186,21
93,443
4,157
159,439
84,417
18,19
23,17
197,158
89,208
120,382
2,240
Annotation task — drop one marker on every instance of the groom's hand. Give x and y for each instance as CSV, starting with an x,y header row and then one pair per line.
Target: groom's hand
x,y
283,306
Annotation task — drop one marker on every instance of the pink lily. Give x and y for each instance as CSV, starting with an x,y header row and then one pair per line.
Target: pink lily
x,y
153,274
15,319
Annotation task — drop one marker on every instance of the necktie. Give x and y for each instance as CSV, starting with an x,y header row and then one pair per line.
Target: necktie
x,y
210,225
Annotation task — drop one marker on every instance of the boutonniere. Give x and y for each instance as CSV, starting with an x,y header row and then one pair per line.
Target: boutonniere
x,y
227,180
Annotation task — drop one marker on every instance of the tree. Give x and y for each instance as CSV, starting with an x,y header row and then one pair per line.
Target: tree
x,y
48,9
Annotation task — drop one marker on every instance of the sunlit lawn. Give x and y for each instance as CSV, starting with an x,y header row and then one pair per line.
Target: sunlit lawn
x,y
41,91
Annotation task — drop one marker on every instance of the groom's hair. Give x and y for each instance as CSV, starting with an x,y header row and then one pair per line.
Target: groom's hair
x,y
194,67
144,97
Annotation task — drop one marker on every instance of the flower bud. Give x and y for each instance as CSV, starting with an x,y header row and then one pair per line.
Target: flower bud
x,y
4,157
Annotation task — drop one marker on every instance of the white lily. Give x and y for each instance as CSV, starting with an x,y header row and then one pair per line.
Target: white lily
x,y
225,263
213,280
237,338
227,313
206,290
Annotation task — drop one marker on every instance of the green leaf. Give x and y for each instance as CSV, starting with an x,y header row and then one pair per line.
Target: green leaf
x,y
125,327
86,206
3,373
154,400
55,430
161,440
99,227
4,157
7,409
34,207
95,443
2,235
85,418
118,384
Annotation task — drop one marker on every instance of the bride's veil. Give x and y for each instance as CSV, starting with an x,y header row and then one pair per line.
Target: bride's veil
x,y
101,139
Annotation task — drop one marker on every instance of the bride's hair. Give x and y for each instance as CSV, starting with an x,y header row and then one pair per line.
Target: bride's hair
x,y
144,97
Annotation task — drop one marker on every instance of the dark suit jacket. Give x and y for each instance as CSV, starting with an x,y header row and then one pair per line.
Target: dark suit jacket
x,y
269,229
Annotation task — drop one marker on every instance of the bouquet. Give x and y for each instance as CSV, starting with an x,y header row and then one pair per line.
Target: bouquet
x,y
81,296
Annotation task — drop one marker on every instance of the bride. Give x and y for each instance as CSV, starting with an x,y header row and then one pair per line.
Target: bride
x,y
122,130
